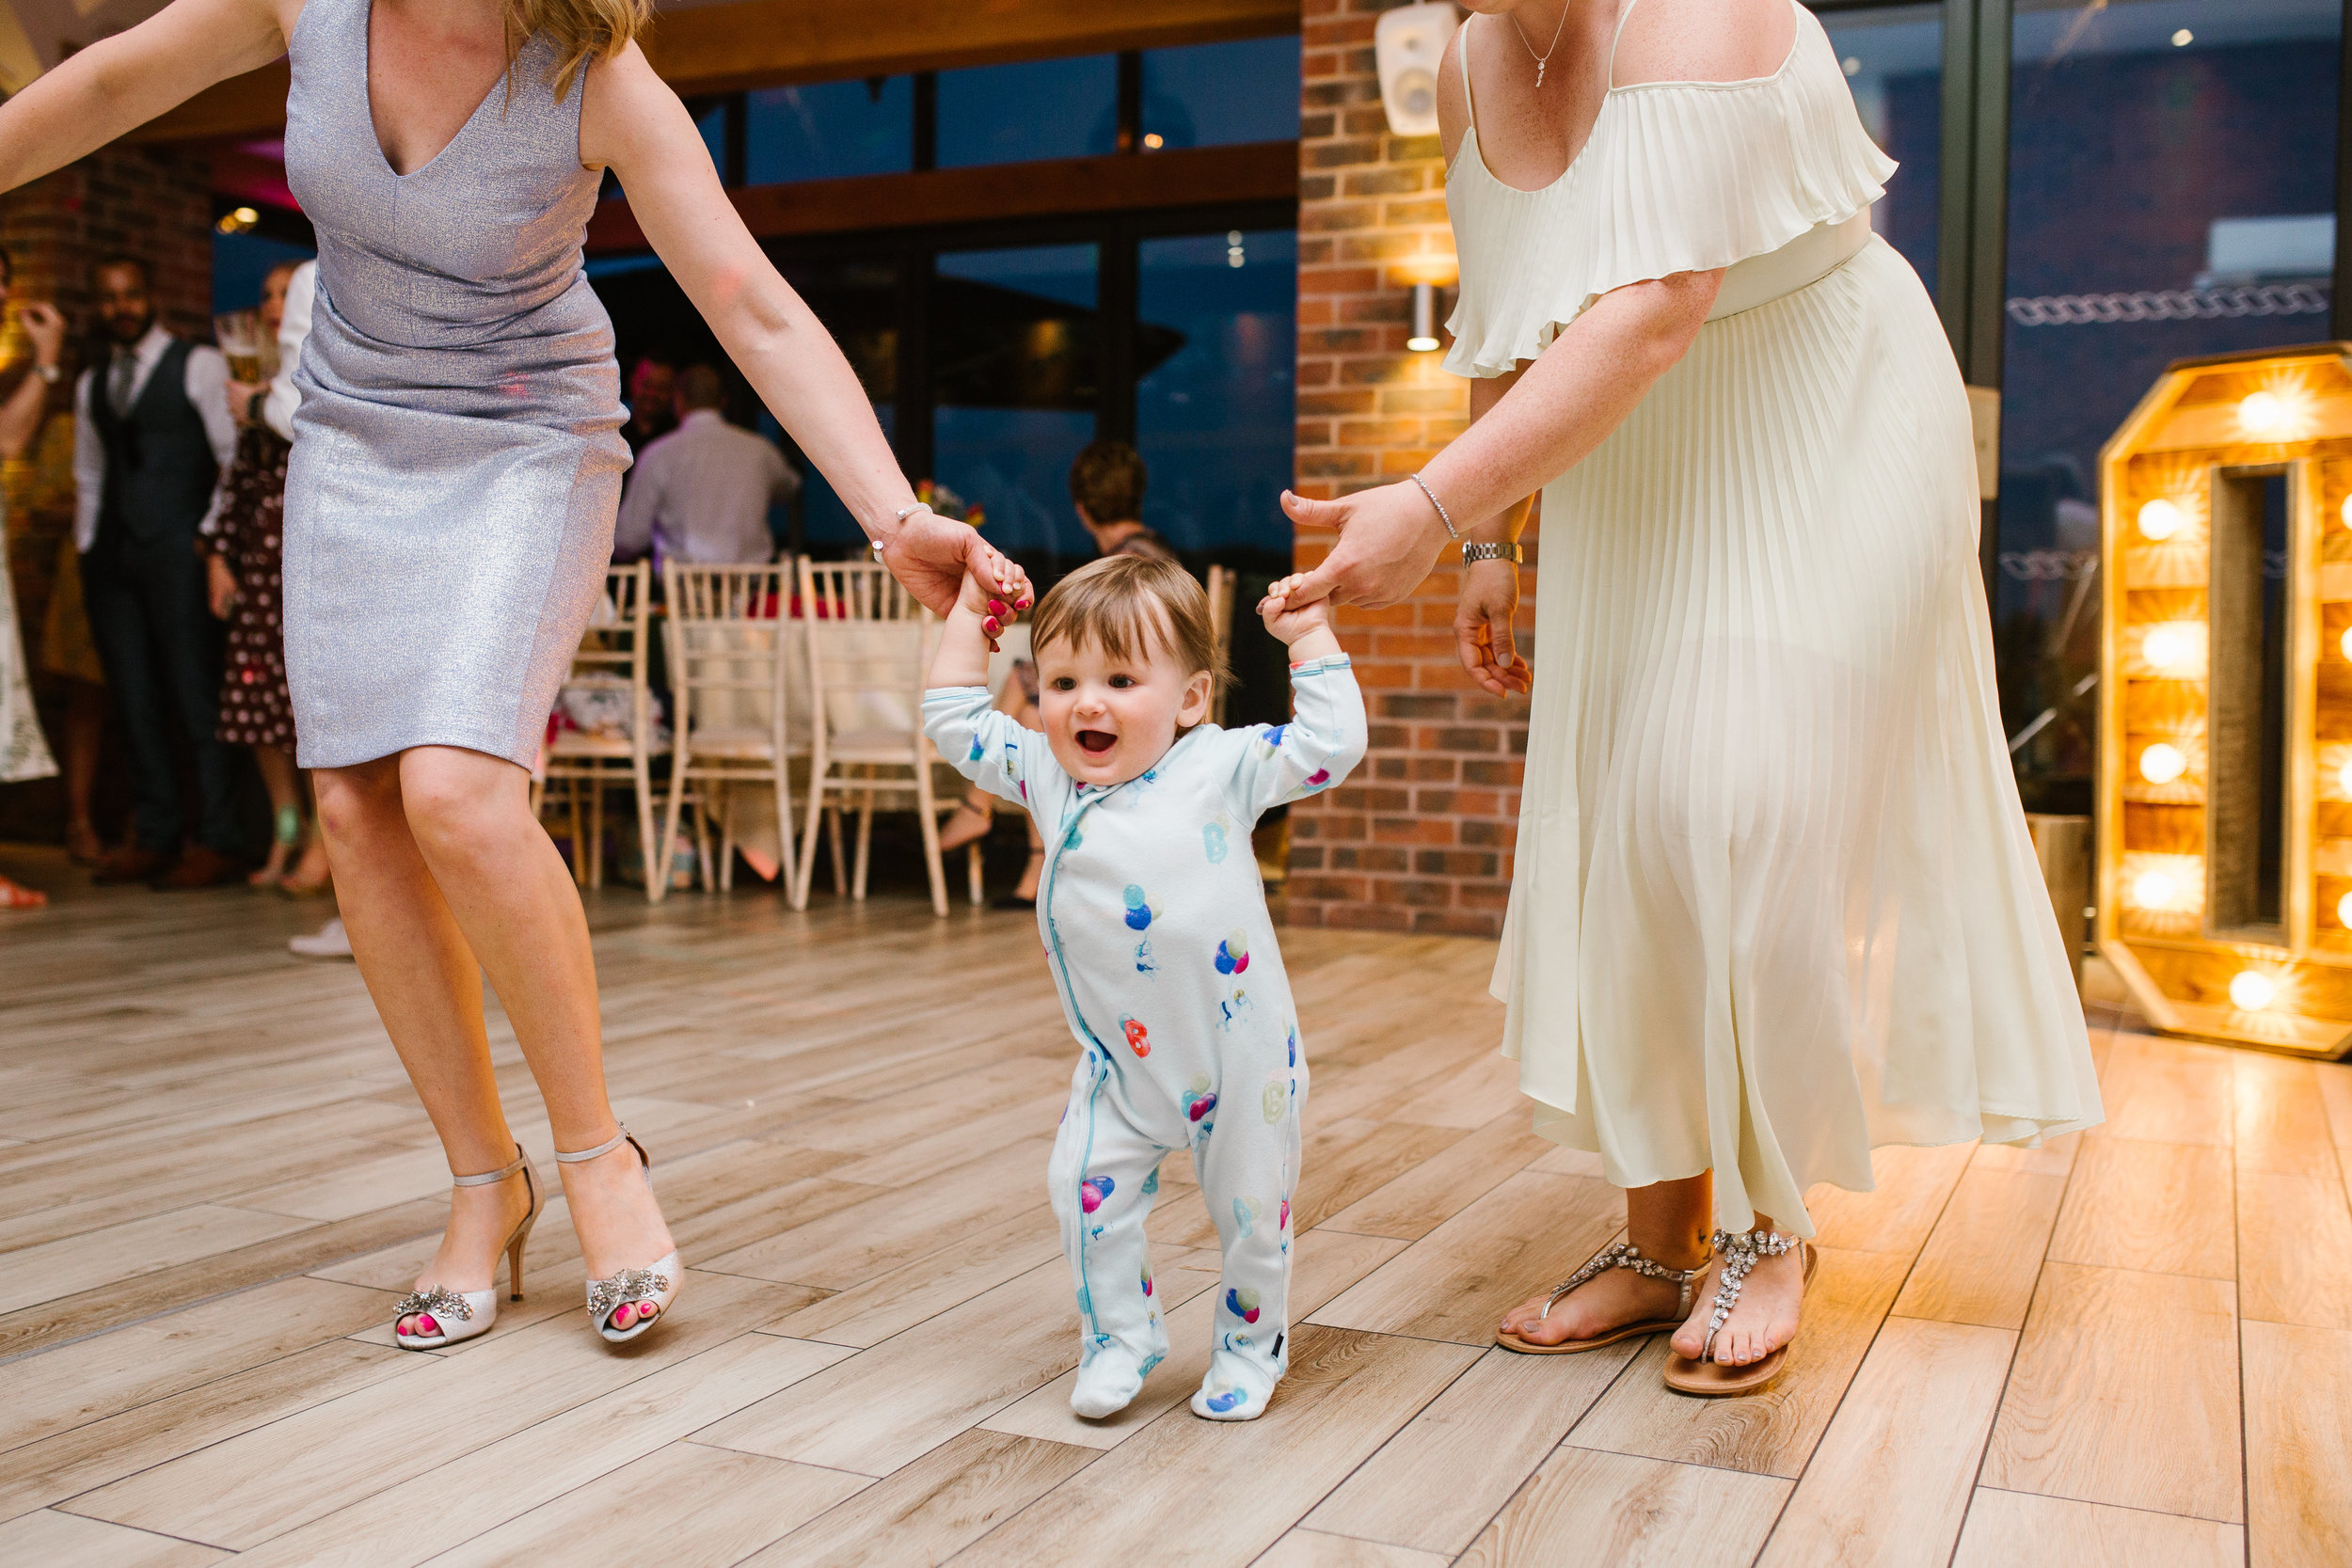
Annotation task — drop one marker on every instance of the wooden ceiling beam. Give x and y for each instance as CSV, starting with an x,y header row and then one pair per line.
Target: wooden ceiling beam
x,y
1119,182
765,43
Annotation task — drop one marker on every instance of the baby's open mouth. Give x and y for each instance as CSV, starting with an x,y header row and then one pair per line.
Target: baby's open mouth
x,y
1097,741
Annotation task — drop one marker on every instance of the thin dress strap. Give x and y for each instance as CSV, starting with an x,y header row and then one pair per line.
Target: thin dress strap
x,y
1610,81
1461,53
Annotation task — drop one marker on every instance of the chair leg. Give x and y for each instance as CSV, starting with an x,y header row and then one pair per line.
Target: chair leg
x,y
927,817
726,842
642,766
816,769
579,860
702,837
864,844
840,872
971,874
788,872
658,881
596,829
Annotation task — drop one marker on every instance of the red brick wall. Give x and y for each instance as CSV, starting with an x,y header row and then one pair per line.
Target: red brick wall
x,y
1420,838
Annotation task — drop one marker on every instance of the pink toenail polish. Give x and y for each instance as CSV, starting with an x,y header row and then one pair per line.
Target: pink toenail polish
x,y
426,1325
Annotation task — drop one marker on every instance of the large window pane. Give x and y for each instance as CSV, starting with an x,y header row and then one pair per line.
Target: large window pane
x,y
1215,345
857,300
830,131
1011,114
1016,372
1213,94
1894,60
2171,193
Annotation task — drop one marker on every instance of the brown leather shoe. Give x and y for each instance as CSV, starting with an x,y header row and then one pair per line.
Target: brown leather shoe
x,y
200,867
132,865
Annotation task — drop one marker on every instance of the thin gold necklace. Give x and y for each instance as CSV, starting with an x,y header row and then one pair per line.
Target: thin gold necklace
x,y
1544,58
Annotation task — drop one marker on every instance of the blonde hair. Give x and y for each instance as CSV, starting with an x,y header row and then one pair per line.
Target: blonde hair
x,y
1128,606
583,32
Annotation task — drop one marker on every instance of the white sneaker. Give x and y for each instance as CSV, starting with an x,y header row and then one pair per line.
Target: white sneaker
x,y
328,941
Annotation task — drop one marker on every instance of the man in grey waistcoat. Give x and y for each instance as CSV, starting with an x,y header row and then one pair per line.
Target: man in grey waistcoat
x,y
152,439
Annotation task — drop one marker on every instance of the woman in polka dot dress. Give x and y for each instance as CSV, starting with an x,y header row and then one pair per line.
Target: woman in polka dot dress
x,y
244,571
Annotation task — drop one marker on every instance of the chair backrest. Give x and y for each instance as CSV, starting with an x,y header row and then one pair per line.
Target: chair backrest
x,y
868,640
613,652
1222,583
727,630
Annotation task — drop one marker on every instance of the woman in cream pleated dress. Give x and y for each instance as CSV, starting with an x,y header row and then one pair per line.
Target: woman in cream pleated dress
x,y
1774,902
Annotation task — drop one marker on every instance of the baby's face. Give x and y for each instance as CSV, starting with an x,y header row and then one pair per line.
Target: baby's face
x,y
1107,718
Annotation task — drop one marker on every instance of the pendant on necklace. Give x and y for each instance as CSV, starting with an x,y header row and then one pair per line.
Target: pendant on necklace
x,y
1539,74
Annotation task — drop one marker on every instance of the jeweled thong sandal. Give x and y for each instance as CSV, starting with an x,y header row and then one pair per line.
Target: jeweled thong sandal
x,y
1616,1255
1706,1377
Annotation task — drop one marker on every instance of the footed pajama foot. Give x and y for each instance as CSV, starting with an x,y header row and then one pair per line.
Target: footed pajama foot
x,y
1237,1388
1109,1383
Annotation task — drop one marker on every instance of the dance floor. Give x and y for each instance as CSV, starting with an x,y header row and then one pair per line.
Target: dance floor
x,y
2131,1348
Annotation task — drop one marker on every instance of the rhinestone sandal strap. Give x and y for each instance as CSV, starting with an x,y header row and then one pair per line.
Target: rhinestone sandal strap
x,y
485,1180
615,1141
441,1301
607,1296
1739,1252
1624,1255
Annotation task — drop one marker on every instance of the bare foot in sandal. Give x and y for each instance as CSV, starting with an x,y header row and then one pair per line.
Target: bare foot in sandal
x,y
1763,1319
1623,1289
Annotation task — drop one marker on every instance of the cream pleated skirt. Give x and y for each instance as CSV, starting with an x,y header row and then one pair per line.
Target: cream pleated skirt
x,y
1774,902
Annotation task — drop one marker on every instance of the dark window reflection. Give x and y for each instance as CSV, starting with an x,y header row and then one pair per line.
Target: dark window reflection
x,y
1011,114
2172,194
830,131
1215,94
1214,414
1894,61
1016,366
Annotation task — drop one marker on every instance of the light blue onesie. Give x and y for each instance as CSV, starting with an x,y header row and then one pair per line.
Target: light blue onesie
x,y
1156,933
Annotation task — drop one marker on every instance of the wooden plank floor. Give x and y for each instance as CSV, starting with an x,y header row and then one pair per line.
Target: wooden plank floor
x,y
2131,1347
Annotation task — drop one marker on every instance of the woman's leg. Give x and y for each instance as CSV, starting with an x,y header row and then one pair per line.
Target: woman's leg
x,y
509,894
1761,1321
1668,1221
278,776
85,733
428,988
310,872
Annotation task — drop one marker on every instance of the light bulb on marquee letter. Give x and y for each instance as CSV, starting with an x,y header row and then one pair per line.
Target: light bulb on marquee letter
x,y
2154,890
2251,990
2161,764
2160,520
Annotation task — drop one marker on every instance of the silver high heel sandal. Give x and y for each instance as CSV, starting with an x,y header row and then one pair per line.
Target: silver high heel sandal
x,y
457,1315
657,1283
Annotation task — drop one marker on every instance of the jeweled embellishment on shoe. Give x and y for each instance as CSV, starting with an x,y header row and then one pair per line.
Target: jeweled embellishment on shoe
x,y
441,1301
609,1296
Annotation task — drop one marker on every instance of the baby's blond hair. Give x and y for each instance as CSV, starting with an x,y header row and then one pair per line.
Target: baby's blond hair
x,y
1128,606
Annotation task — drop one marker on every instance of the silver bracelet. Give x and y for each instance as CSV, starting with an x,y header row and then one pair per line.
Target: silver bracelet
x,y
1442,516
903,514
1473,551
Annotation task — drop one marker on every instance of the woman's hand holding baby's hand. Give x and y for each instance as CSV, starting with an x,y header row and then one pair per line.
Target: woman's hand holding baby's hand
x,y
996,605
1304,628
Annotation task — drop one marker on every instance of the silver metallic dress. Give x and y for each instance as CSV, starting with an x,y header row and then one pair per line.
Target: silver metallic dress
x,y
457,455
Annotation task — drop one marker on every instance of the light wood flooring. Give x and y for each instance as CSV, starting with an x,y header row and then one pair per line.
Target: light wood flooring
x,y
2134,1347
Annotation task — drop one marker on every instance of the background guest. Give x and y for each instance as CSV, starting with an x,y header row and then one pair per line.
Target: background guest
x,y
652,387
23,751
245,568
700,493
152,436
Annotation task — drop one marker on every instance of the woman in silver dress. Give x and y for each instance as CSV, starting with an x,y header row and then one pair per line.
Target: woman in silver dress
x,y
449,515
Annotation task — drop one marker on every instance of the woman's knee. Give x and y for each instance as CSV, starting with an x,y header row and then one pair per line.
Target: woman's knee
x,y
457,803
353,802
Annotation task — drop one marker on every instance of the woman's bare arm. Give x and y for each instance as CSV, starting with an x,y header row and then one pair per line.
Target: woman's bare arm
x,y
632,123
119,84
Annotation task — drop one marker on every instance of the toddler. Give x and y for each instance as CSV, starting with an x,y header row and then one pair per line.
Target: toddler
x,y
1157,936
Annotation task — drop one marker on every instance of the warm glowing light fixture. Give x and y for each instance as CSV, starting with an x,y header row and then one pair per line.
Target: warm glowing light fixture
x,y
2277,413
2159,521
2345,511
2154,890
2345,642
2343,910
1424,335
2183,38
2343,780
2171,647
2160,763
2251,990
1153,141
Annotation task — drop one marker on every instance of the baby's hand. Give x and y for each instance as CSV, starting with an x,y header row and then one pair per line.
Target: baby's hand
x,y
995,612
1289,623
